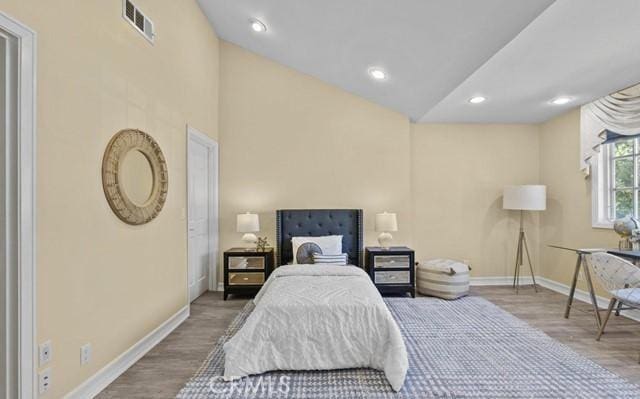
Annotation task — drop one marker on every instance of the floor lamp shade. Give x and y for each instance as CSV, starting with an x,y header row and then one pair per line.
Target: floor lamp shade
x,y
525,198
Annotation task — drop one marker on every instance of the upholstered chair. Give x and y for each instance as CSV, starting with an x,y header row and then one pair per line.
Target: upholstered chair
x,y
621,280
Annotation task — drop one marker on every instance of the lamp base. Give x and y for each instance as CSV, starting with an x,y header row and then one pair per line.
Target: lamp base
x,y
385,239
250,240
522,249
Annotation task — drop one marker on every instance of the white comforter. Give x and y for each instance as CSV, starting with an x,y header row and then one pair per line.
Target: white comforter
x,y
318,317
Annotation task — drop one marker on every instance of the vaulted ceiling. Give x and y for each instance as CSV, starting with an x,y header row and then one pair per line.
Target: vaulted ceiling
x,y
437,54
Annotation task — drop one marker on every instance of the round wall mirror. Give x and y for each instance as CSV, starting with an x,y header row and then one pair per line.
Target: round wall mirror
x,y
134,176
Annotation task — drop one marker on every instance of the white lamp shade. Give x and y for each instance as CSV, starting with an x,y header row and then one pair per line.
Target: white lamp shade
x,y
525,198
247,223
386,222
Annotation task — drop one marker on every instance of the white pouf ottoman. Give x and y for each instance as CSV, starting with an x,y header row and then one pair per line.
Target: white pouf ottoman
x,y
443,278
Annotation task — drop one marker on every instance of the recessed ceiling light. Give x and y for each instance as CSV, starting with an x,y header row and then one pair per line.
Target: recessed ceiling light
x,y
377,73
258,26
561,100
477,100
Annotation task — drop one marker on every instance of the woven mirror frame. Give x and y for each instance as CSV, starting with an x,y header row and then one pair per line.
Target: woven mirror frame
x,y
121,144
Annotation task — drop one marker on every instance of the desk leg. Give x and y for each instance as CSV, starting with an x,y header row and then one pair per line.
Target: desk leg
x,y
592,294
572,290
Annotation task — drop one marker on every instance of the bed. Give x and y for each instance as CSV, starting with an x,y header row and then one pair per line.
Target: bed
x,y
318,317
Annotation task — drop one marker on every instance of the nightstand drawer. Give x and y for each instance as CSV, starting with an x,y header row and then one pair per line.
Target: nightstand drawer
x,y
391,261
246,262
246,278
395,277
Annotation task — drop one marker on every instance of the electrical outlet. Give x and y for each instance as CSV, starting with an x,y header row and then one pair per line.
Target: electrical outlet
x,y
85,353
45,352
44,380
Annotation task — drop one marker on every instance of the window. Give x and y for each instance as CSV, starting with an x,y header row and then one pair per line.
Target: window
x,y
616,181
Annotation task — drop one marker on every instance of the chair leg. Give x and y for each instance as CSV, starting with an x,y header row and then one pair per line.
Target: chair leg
x,y
618,308
612,305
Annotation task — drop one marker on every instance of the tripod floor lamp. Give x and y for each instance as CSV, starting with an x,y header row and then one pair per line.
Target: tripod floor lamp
x,y
524,198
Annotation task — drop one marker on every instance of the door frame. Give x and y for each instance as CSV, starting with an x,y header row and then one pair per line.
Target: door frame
x,y
22,238
195,135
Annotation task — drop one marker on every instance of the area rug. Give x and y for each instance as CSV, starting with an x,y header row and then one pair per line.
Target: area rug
x,y
468,348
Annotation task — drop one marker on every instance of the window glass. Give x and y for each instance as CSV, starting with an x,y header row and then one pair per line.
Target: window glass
x,y
623,172
622,184
623,203
615,177
622,148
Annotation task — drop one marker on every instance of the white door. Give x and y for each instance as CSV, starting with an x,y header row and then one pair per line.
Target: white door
x,y
203,208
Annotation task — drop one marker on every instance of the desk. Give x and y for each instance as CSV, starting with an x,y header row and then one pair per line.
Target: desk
x,y
581,263
633,255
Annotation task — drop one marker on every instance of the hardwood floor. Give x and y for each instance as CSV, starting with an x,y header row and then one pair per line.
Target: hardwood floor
x,y
618,349
165,369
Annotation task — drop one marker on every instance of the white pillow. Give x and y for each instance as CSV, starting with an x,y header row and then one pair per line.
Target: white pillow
x,y
338,260
329,245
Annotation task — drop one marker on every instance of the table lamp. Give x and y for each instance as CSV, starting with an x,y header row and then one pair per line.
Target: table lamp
x,y
524,198
385,223
248,223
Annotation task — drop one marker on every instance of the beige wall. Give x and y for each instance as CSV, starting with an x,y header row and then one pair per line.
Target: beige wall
x,y
458,174
99,280
567,221
288,140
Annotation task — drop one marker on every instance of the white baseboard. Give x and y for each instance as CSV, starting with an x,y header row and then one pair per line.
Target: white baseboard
x,y
220,287
499,280
105,376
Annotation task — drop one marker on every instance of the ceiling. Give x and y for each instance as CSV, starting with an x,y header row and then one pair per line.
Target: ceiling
x,y
519,54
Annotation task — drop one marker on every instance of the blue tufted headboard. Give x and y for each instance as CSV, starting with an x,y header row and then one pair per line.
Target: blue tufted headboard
x,y
319,222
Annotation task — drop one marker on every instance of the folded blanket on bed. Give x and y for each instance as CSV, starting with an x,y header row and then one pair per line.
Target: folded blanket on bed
x,y
309,270
318,317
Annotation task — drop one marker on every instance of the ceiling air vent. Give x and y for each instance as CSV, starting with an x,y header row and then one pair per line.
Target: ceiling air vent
x,y
138,20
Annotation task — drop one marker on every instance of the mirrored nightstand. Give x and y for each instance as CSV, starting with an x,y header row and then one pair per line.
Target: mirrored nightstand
x,y
392,270
245,271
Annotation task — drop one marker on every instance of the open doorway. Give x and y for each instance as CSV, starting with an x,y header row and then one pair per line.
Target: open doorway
x,y
17,210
